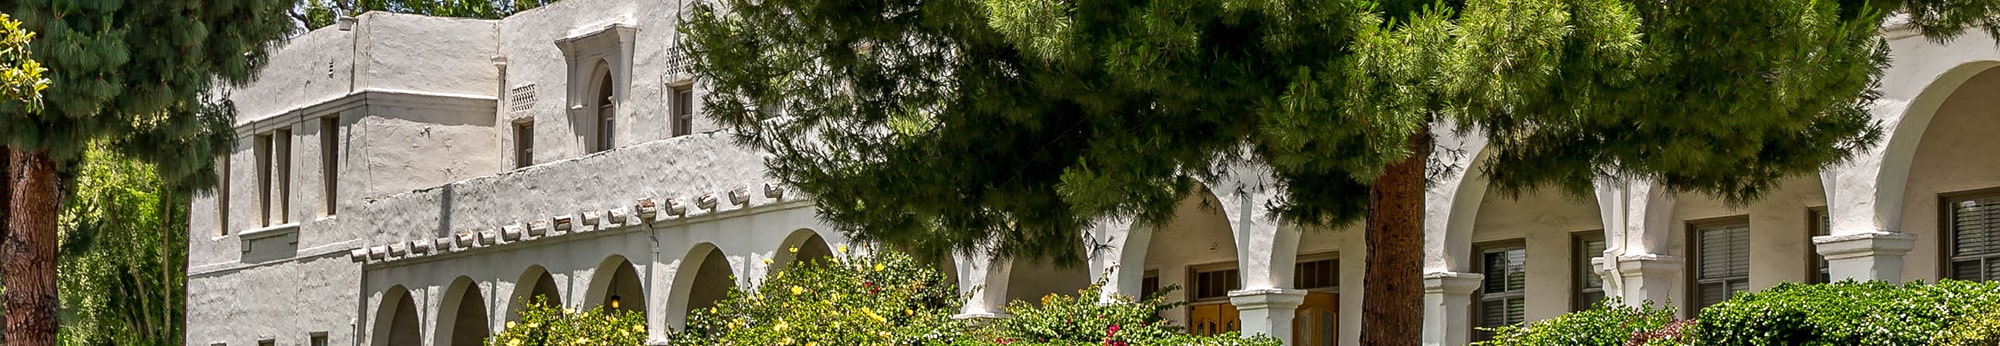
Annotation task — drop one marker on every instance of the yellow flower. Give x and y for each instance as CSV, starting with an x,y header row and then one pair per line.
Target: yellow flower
x,y
510,324
787,341
781,325
843,248
639,328
767,261
878,267
711,309
796,290
794,249
514,342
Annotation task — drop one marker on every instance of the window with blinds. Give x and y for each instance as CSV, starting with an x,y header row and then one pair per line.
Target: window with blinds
x,y
1589,286
1501,295
1722,262
1975,238
1822,225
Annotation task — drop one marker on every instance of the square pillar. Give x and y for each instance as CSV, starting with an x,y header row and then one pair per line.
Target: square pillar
x,y
1865,256
1648,278
1448,307
1267,311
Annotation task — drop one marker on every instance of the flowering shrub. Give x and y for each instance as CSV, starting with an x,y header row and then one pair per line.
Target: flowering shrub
x,y
542,324
1083,320
1607,324
882,299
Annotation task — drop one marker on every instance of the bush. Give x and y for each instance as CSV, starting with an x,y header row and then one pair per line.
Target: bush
x,y
1978,330
874,300
542,324
1847,313
1082,320
1607,324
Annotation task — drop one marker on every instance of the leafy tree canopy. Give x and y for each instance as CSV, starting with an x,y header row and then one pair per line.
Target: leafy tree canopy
x,y
21,81
952,123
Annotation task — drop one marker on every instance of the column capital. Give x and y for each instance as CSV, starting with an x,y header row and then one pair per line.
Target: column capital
x,y
1260,298
1645,263
1452,283
1845,246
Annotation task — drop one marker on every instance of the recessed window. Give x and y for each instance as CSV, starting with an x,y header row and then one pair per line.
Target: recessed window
x,y
317,339
1721,262
1589,286
607,113
524,144
683,110
1502,300
1319,274
1216,284
274,184
222,196
267,342
1150,285
329,148
1974,238
1818,224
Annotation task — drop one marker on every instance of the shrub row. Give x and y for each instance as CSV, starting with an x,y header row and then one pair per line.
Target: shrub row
x,y
1949,312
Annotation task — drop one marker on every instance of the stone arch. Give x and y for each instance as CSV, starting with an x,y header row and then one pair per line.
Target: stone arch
x,y
535,283
1948,161
616,285
462,315
396,319
1202,234
703,277
1450,252
1898,154
802,244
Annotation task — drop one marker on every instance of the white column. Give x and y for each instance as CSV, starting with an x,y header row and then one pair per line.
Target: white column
x,y
1267,311
1638,233
1448,307
983,280
1864,244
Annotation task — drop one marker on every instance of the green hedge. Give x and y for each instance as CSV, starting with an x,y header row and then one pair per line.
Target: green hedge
x,y
1949,312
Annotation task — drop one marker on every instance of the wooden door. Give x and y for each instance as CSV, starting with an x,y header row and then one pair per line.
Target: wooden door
x,y
1212,319
1318,320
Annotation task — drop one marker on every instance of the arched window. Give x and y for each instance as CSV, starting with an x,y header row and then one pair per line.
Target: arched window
x,y
607,112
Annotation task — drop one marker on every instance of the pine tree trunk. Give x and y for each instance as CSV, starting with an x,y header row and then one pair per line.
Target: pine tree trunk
x,y
1392,311
29,250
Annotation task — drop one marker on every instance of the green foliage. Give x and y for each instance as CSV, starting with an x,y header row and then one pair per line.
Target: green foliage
x,y
1082,319
1848,313
122,256
1982,329
543,324
883,299
948,124
1606,324
21,81
321,13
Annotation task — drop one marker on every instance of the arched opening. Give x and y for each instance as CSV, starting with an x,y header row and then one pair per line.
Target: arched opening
x,y
1029,280
462,319
1953,183
535,286
616,287
1195,251
606,109
1526,247
703,278
802,245
396,321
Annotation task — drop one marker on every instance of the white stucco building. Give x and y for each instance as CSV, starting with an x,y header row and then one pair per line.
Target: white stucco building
x,y
406,180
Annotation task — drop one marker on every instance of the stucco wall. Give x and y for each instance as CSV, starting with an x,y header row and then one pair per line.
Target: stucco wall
x,y
1956,155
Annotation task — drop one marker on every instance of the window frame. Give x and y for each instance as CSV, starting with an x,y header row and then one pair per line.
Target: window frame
x,y
524,143
1818,224
1194,295
222,196
1479,295
1949,236
604,108
329,127
1333,264
1582,269
281,171
680,109
1691,275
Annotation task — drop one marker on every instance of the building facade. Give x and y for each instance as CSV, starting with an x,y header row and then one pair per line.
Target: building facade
x,y
409,180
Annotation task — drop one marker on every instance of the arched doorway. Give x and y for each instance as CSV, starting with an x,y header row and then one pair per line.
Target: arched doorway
x,y
535,286
1196,251
617,288
704,277
396,321
802,245
462,319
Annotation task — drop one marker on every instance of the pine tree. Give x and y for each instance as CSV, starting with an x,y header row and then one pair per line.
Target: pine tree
x,y
118,71
941,125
